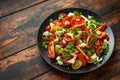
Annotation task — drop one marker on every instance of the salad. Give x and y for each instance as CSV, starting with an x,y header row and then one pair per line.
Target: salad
x,y
74,40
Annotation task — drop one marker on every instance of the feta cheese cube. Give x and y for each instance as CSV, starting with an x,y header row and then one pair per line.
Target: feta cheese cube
x,y
52,24
82,45
46,33
70,14
67,23
72,61
98,32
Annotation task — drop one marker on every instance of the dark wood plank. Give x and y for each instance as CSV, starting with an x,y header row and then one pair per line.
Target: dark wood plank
x,y
117,77
26,23
8,7
23,66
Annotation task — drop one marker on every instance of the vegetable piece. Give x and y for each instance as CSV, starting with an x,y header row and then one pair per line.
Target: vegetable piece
x,y
44,44
51,20
48,28
93,58
82,27
51,51
76,13
70,46
68,39
83,53
81,57
57,48
77,64
65,61
105,47
101,28
76,20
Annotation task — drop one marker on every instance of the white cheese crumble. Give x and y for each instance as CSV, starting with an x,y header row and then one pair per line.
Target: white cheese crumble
x,y
58,32
59,60
67,23
70,34
70,14
98,60
52,24
98,32
56,39
46,33
105,41
72,61
82,45
63,41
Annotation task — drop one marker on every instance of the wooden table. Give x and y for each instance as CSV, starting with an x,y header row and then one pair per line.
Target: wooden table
x,y
19,23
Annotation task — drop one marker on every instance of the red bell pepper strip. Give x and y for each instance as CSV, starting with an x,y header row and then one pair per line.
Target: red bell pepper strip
x,y
76,20
82,27
51,51
83,53
81,57
101,28
68,39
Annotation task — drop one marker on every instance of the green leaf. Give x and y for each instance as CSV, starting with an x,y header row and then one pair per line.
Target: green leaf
x,y
75,31
60,17
51,20
105,47
76,13
44,44
57,47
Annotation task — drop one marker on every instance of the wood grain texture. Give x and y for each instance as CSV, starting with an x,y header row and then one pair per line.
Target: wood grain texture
x,y
8,7
117,77
23,66
21,25
19,54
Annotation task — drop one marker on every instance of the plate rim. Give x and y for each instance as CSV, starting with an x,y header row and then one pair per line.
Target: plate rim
x,y
74,72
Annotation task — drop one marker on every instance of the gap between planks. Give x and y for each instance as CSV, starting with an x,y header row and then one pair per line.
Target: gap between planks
x,y
24,8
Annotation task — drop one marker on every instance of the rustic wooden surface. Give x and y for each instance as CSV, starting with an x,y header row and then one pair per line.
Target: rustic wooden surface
x,y
19,23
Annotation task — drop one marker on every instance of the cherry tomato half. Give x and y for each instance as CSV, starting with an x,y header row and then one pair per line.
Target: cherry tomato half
x,y
48,28
51,51
77,64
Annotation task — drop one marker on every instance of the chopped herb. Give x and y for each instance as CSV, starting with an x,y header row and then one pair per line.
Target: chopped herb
x,y
44,44
57,48
51,20
60,17
75,31
105,47
76,13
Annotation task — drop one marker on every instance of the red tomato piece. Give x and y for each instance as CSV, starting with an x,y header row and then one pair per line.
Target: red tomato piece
x,y
83,53
77,20
106,37
81,57
65,61
68,39
48,28
101,28
51,51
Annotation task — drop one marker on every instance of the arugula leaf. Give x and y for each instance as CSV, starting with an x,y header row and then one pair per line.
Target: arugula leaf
x,y
44,44
70,46
76,13
60,17
51,20
105,47
75,31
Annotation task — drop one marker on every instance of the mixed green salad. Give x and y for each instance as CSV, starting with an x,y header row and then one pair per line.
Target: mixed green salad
x,y
75,40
